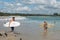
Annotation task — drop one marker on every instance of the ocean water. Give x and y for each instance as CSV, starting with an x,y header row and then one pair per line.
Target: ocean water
x,y
30,27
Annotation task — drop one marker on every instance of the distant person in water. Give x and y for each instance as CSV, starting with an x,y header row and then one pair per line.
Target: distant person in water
x,y
11,20
45,26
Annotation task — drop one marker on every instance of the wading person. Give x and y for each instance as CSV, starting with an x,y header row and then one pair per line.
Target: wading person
x,y
45,26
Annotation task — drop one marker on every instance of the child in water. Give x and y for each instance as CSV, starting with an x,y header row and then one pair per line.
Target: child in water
x,y
45,26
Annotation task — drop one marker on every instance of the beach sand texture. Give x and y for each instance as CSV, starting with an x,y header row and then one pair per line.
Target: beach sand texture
x,y
9,36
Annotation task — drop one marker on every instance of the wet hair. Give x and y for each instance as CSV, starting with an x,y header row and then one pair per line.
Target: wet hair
x,y
44,21
13,18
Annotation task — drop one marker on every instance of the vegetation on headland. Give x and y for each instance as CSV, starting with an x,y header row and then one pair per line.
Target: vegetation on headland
x,y
23,14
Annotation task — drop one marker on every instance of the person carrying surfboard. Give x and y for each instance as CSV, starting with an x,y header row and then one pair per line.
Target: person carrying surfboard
x,y
11,20
45,26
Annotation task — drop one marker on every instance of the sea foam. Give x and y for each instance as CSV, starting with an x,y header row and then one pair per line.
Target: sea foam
x,y
16,18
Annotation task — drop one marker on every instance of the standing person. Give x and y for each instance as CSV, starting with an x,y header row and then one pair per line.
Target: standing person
x,y
45,26
11,20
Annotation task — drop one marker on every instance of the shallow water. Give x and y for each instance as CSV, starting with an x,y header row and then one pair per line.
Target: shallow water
x,y
30,28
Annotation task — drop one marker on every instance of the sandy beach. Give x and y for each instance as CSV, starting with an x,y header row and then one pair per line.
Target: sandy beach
x,y
9,36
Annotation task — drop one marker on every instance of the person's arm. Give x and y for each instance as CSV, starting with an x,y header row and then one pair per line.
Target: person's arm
x,y
9,23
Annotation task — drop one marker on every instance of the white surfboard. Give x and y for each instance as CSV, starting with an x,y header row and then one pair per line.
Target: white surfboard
x,y
49,25
12,24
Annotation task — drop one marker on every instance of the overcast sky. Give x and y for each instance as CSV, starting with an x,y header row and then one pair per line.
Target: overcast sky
x,y
30,6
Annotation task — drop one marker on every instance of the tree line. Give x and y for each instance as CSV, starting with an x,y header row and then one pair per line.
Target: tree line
x,y
23,14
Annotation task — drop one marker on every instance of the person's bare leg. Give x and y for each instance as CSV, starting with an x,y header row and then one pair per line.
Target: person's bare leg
x,y
45,30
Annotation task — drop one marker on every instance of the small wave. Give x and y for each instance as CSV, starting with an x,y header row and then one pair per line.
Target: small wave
x,y
16,18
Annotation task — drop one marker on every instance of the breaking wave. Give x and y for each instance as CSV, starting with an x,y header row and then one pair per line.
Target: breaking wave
x,y
9,17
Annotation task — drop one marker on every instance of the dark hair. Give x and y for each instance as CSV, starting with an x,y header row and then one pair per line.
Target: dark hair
x,y
13,18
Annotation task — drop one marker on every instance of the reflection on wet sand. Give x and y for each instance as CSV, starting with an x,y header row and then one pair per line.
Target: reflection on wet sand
x,y
45,34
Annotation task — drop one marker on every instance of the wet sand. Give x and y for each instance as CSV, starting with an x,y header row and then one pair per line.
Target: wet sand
x,y
18,36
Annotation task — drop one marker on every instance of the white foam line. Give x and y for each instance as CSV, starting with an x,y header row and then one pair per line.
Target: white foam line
x,y
16,18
